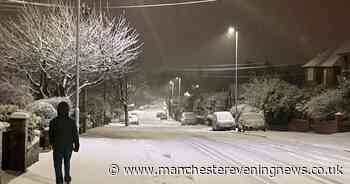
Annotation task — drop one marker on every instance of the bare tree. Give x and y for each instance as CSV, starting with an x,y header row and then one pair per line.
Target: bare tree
x,y
41,43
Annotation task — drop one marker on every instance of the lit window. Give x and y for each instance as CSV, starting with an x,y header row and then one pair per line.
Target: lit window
x,y
325,77
310,74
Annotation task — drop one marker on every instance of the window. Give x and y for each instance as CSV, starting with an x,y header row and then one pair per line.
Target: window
x,y
310,74
325,77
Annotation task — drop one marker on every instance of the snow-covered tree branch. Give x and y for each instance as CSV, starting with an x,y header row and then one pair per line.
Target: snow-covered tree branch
x,y
41,42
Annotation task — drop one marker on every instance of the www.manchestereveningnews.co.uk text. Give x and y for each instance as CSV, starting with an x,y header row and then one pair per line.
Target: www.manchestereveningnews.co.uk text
x,y
271,171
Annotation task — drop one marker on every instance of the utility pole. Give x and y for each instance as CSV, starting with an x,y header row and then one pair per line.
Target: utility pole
x,y
77,63
171,98
236,61
234,32
126,102
179,82
179,86
172,89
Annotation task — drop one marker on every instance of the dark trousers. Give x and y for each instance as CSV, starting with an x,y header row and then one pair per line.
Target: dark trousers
x,y
59,156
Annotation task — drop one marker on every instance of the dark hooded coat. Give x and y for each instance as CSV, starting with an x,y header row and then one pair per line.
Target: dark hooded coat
x,y
63,132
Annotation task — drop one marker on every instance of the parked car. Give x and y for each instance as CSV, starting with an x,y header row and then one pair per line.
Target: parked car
x,y
133,119
250,118
158,114
252,121
135,112
201,119
162,115
142,107
222,121
188,118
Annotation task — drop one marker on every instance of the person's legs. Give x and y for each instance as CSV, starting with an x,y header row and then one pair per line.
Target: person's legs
x,y
67,157
57,162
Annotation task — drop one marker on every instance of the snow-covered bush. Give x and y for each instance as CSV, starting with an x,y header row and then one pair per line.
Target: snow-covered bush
x,y
3,125
6,111
244,108
312,91
34,124
344,87
56,100
35,121
273,96
44,110
324,106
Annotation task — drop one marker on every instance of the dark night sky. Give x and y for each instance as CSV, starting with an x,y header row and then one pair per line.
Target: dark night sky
x,y
283,31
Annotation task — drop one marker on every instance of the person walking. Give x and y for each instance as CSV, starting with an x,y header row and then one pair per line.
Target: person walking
x,y
64,139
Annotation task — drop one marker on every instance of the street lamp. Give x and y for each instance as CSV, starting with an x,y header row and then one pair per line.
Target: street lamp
x,y
231,31
234,33
196,86
171,83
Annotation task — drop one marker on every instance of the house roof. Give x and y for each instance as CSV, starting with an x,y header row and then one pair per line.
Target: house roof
x,y
330,57
345,48
319,59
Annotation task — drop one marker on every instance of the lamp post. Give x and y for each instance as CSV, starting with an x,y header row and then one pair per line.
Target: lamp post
x,y
179,80
236,61
233,32
170,108
77,63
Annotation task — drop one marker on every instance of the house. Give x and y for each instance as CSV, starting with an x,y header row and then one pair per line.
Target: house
x,y
326,67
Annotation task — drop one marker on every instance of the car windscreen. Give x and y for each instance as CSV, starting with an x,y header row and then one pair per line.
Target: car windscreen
x,y
224,116
189,115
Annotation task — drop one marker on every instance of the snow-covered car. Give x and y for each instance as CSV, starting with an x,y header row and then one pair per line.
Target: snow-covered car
x,y
135,112
250,118
188,118
133,119
252,121
222,121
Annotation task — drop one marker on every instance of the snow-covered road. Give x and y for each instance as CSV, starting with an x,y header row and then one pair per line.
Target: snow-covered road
x,y
158,143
